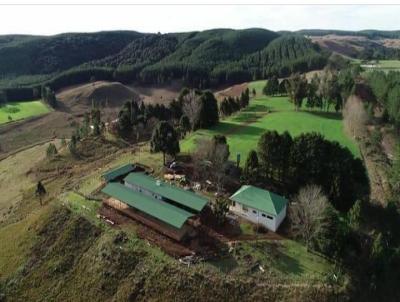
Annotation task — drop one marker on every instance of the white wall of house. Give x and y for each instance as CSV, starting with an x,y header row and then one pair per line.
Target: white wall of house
x,y
270,221
280,217
143,191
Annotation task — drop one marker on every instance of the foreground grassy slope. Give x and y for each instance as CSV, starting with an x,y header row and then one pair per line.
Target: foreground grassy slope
x,y
273,113
21,110
72,259
63,252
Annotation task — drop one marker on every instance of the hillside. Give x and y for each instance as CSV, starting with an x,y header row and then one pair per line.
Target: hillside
x,y
112,95
72,255
44,55
203,59
366,44
285,55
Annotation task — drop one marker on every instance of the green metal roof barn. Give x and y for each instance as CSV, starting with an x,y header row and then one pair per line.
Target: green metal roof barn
x,y
188,199
117,172
159,209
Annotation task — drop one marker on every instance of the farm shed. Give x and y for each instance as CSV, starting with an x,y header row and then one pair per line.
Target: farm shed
x,y
115,173
162,216
259,206
147,185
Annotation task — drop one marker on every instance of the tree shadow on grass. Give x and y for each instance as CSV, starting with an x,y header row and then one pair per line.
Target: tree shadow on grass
x,y
287,264
257,108
281,261
225,265
227,128
328,115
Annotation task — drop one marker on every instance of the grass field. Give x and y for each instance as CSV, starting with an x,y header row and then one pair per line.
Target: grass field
x,y
284,259
258,86
273,113
383,65
17,167
21,110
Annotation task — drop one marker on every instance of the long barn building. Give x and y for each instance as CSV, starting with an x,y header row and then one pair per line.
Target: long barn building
x,y
162,206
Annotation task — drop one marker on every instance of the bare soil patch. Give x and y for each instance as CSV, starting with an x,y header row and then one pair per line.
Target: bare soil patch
x,y
105,94
74,101
232,91
158,94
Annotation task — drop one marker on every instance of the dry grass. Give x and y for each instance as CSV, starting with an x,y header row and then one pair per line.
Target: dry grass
x,y
158,94
15,176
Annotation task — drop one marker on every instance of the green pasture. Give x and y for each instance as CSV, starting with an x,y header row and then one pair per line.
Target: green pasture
x,y
383,65
272,113
19,110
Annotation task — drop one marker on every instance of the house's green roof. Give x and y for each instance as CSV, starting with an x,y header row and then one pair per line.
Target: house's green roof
x,y
260,199
178,195
156,208
116,172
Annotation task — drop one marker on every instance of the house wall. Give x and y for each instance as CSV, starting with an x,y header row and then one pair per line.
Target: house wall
x,y
280,217
270,221
143,191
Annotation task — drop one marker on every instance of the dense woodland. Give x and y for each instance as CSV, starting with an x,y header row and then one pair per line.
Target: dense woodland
x,y
199,59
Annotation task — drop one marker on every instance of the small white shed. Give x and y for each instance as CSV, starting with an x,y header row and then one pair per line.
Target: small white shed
x,y
259,206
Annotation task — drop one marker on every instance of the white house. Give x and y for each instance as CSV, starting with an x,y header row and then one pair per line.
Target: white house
x,y
259,206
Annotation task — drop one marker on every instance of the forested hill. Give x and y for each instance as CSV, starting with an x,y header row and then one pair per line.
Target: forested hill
x,y
369,33
27,55
203,59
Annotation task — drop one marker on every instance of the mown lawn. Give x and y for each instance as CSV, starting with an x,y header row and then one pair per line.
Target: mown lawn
x,y
21,110
272,113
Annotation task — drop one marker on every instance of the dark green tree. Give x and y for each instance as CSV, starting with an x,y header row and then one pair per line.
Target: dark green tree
x,y
48,96
85,130
251,168
312,92
271,86
394,175
40,192
96,121
72,145
355,215
184,124
209,110
220,208
51,151
269,153
164,139
296,87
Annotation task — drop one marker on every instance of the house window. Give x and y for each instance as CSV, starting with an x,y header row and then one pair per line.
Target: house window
x,y
270,217
245,209
263,215
254,211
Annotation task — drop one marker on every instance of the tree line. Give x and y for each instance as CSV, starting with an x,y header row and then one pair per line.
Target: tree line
x,y
230,105
386,94
291,163
330,88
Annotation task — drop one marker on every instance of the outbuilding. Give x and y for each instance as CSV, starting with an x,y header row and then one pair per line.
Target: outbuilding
x,y
118,172
157,204
259,206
